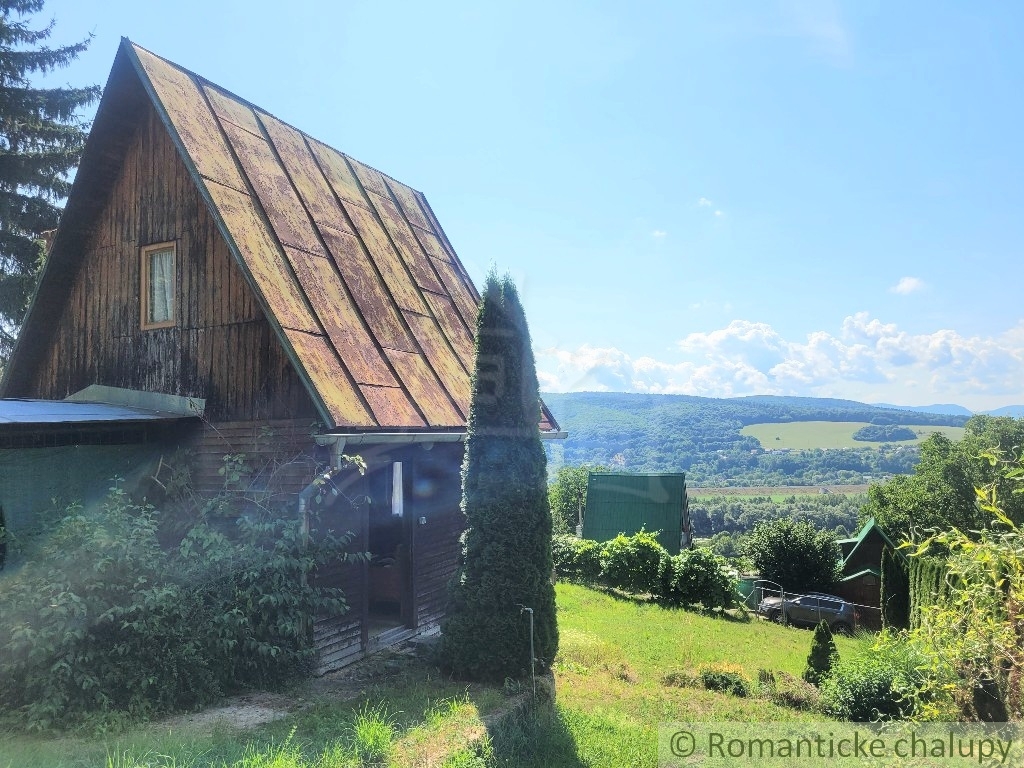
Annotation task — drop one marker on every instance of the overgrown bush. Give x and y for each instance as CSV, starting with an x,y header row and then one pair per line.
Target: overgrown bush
x,y
725,678
696,576
101,616
787,690
632,563
884,682
567,495
576,559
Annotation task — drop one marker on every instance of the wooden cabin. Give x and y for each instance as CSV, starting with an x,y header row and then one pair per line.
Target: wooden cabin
x,y
210,251
861,577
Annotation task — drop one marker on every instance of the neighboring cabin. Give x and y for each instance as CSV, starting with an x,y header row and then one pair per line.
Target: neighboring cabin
x,y
860,580
240,286
619,502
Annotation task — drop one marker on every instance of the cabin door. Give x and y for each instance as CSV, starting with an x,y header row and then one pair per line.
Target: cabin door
x,y
391,544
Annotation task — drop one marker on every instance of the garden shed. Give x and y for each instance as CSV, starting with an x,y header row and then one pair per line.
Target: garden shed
x,y
210,251
618,502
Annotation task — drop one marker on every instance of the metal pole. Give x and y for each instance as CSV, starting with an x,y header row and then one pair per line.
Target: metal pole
x,y
533,660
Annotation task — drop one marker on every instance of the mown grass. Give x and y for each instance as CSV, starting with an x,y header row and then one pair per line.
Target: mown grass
x,y
800,435
406,712
616,678
614,654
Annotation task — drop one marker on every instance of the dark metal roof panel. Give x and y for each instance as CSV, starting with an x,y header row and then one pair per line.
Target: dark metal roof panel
x,y
624,503
18,411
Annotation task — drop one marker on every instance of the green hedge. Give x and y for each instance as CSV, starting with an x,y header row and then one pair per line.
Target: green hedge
x,y
928,585
639,565
895,590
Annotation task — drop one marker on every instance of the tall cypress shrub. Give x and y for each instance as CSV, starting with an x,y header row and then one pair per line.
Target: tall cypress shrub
x,y
506,564
895,590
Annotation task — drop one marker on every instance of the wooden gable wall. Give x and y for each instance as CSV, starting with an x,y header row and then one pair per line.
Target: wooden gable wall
x,y
221,347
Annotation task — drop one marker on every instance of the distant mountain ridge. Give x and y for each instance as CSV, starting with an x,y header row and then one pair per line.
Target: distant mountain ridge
x,y
702,437
1014,411
947,408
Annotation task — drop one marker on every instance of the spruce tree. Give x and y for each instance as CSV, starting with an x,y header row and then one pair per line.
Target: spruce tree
x,y
822,656
41,141
506,563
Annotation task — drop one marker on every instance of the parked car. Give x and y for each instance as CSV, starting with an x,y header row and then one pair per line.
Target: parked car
x,y
810,610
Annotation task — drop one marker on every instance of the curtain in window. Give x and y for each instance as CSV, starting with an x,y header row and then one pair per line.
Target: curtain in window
x,y
397,497
161,286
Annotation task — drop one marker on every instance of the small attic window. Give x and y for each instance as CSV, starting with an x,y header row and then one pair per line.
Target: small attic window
x,y
158,285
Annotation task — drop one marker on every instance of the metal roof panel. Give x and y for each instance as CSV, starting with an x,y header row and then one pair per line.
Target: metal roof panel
x,y
263,259
371,179
391,407
19,411
336,390
196,126
391,267
432,398
441,358
406,197
369,293
338,173
405,242
274,189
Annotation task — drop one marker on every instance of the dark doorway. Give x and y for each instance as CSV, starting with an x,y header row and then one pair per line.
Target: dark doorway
x,y
389,544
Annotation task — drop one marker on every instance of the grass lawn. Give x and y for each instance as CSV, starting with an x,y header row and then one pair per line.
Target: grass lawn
x,y
610,698
798,435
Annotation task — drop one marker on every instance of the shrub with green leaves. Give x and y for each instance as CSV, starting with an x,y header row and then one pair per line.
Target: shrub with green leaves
x,y
795,554
822,656
696,576
883,682
576,559
632,563
725,678
100,615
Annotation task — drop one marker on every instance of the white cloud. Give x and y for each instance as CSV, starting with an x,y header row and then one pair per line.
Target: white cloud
x,y
707,203
908,285
865,360
659,234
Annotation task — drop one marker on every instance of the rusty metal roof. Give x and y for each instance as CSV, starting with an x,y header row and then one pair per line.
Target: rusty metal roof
x,y
355,273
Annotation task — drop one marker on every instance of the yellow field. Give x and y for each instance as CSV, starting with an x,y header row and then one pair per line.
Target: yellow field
x,y
796,435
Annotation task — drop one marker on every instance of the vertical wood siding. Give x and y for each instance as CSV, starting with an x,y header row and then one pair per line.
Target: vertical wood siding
x,y
221,347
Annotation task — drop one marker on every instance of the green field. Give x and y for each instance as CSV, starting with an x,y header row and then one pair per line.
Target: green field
x,y
777,493
797,435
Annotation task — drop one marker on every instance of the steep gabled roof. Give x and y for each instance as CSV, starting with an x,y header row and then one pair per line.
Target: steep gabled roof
x,y
353,271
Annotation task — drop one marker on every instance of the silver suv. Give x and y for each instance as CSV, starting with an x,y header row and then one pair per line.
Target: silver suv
x,y
809,610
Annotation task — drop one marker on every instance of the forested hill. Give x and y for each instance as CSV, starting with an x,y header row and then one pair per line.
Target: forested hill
x,y
701,436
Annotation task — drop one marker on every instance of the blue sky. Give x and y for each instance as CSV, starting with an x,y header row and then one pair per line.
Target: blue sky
x,y
814,198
